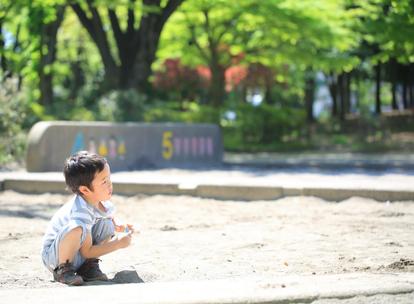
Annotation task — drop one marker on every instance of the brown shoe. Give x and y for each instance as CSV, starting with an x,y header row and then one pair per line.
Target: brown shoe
x,y
65,273
90,271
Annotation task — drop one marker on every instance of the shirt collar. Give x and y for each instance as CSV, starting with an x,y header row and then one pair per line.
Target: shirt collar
x,y
83,202
91,208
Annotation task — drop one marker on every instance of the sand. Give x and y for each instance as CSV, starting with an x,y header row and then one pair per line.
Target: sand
x,y
189,238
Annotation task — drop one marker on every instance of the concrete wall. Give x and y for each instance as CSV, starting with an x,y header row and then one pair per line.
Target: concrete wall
x,y
127,146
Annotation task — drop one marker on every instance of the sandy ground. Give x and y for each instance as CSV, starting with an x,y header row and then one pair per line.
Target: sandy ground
x,y
189,238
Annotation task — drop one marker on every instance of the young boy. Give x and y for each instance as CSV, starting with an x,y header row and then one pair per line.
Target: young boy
x,y
82,230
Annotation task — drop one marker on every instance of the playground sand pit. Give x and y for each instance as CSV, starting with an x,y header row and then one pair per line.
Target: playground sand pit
x,y
188,238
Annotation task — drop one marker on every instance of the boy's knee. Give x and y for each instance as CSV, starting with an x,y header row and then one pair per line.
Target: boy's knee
x,y
76,232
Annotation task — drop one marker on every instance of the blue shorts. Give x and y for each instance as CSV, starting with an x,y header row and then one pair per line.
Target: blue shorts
x,y
101,231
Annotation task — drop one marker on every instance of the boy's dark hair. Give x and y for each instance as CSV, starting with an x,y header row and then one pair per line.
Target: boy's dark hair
x,y
80,169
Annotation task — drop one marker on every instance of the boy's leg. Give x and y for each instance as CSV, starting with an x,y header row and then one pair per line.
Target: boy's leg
x,y
63,257
69,245
102,231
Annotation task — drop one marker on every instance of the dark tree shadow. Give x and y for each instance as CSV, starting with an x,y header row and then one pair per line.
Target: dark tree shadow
x,y
29,213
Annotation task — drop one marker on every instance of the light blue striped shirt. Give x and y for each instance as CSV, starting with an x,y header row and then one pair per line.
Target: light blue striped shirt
x,y
76,212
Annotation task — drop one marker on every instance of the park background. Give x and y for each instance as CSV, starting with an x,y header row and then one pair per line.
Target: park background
x,y
275,75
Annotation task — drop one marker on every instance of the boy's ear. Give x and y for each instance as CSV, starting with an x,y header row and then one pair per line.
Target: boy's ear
x,y
84,190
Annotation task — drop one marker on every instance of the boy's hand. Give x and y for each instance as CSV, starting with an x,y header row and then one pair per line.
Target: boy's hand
x,y
124,240
122,228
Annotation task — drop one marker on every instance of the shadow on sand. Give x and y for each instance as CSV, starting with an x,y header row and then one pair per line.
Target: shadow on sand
x,y
121,277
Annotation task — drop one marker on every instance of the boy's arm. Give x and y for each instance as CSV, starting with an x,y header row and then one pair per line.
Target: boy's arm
x,y
89,251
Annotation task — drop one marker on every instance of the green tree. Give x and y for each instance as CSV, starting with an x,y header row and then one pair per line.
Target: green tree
x,y
305,34
5,8
128,65
47,46
31,28
9,52
387,27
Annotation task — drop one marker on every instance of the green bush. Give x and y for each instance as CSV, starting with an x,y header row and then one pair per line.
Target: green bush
x,y
122,106
82,114
265,124
163,112
13,109
188,112
253,128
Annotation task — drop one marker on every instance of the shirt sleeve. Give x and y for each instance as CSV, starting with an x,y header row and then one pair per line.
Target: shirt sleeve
x,y
82,218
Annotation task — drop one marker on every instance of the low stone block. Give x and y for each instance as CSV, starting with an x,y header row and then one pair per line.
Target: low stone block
x,y
127,146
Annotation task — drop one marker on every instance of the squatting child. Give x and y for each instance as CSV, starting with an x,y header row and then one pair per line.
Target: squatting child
x,y
83,229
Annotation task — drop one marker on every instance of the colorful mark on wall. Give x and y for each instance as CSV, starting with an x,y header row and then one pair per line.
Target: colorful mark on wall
x,y
78,143
173,146
112,147
187,146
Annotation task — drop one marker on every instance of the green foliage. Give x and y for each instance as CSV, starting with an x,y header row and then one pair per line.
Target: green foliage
x,y
82,114
13,111
340,139
37,112
189,112
122,106
274,33
388,26
263,125
285,36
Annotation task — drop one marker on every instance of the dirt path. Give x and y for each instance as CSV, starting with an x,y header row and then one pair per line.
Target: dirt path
x,y
188,238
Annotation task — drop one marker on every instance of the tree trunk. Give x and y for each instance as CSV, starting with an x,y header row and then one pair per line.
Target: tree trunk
x,y
16,47
405,95
378,88
7,72
333,90
141,70
393,80
394,94
3,59
347,92
47,58
357,93
244,93
268,95
136,47
342,97
404,80
48,43
216,90
309,95
77,79
269,82
411,85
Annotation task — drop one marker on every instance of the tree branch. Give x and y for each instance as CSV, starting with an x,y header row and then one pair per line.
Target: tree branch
x,y
131,19
85,21
171,6
6,11
95,29
207,28
116,28
228,24
195,41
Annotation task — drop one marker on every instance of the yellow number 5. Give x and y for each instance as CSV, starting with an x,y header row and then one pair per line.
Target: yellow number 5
x,y
167,145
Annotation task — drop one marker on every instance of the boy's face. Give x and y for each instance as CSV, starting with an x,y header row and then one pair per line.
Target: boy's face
x,y
101,187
